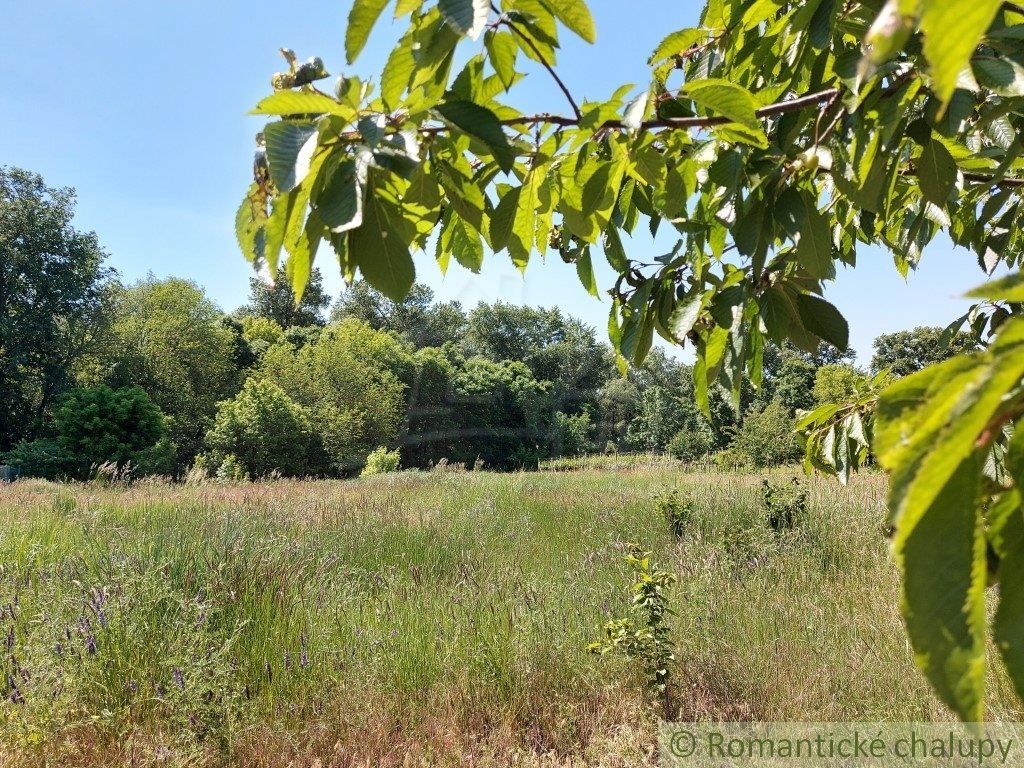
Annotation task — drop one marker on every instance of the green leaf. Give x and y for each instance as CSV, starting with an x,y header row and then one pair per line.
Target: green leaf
x,y
677,43
1006,535
814,248
952,30
614,251
944,605
361,18
1003,76
686,315
502,51
482,124
301,253
249,222
302,103
725,99
524,223
1009,288
467,17
575,15
340,204
502,219
290,145
585,271
931,431
936,170
463,242
397,73
382,257
824,320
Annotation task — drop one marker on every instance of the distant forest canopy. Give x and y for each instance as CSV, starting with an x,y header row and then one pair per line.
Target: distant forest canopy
x,y
154,377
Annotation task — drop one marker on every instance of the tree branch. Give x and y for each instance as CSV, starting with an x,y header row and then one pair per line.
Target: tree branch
x,y
540,57
772,110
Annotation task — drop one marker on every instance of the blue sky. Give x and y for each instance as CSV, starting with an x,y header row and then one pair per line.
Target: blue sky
x,y
142,106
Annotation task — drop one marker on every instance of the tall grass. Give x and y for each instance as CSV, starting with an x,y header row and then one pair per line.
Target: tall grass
x,y
428,618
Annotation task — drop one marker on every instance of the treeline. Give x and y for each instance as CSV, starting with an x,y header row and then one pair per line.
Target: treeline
x,y
153,378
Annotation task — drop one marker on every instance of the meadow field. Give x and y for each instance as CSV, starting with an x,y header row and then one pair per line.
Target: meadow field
x,y
433,618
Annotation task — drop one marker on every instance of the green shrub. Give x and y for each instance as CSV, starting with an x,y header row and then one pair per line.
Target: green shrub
x,y
231,470
95,426
262,431
381,461
644,635
730,459
691,444
676,511
785,505
767,439
572,435
46,458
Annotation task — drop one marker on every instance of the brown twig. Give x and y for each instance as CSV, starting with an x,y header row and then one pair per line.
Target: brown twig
x,y
540,57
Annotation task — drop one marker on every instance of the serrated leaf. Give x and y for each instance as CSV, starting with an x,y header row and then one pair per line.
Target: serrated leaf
x,y
482,124
501,220
677,43
524,224
502,51
1006,536
340,204
936,170
814,248
823,320
952,30
944,607
301,103
301,253
397,74
686,315
467,17
1009,288
288,151
361,18
575,15
249,223
585,272
382,257
725,99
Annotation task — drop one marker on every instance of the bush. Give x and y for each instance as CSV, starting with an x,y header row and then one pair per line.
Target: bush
x,y
262,431
676,511
691,444
121,428
785,505
572,435
380,462
767,439
730,459
45,458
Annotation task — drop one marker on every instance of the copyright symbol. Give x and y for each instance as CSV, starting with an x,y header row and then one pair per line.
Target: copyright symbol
x,y
683,744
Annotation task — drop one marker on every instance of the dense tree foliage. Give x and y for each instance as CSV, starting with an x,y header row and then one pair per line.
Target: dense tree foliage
x,y
261,431
276,300
52,284
417,318
97,426
905,352
774,137
168,338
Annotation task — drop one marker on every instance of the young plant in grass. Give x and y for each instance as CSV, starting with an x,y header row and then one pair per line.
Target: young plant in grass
x,y
644,636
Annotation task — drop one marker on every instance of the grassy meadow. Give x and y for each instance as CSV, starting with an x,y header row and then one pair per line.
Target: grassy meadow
x,y
434,618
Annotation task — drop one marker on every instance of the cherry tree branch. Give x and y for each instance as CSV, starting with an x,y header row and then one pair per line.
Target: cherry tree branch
x,y
540,57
